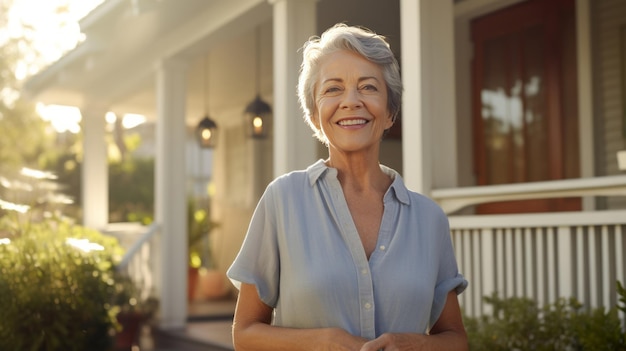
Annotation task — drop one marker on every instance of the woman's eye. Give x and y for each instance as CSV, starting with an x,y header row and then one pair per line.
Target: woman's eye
x,y
330,90
369,87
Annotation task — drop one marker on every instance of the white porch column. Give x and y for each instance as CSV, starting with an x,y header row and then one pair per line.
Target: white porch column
x,y
95,171
429,113
294,145
170,192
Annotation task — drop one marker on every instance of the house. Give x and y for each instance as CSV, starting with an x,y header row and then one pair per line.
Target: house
x,y
513,118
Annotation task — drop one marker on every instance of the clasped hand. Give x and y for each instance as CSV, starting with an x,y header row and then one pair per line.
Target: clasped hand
x,y
394,342
388,342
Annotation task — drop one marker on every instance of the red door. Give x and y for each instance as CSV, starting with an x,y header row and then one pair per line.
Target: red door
x,y
524,100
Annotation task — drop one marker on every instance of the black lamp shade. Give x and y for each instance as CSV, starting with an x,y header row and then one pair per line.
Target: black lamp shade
x,y
206,133
258,113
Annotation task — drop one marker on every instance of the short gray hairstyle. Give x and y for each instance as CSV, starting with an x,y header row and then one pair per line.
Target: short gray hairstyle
x,y
360,40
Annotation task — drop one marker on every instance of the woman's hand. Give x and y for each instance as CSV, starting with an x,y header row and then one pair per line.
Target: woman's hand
x,y
336,339
447,334
395,342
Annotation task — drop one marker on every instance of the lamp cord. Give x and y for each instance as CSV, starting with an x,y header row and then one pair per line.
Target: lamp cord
x,y
258,61
206,84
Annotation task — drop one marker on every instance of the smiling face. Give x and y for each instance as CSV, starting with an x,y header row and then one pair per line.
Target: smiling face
x,y
351,102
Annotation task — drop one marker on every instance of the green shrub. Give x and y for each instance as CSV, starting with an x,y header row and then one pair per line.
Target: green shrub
x,y
55,295
520,324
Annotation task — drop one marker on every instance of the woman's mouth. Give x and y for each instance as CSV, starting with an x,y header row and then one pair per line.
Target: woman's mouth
x,y
352,122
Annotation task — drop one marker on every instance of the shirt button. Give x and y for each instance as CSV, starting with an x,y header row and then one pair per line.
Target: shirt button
x,y
382,247
364,271
367,305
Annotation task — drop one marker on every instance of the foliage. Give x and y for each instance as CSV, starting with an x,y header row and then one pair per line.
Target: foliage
x,y
131,190
128,297
518,323
56,284
59,285
131,185
24,138
199,227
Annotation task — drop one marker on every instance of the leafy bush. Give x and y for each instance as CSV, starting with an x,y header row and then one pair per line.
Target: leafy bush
x,y
56,284
518,323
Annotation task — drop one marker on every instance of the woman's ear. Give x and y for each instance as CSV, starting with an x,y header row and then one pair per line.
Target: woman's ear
x,y
315,119
390,121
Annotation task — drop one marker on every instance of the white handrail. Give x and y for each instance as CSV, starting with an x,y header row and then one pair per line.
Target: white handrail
x,y
454,199
145,237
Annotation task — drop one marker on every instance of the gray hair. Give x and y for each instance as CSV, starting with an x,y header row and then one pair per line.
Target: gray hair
x,y
362,41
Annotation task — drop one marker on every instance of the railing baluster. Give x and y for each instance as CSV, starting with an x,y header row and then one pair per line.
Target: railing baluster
x,y
519,262
478,268
551,258
529,255
510,272
619,253
566,263
581,278
619,262
541,273
607,270
469,272
501,263
594,277
488,267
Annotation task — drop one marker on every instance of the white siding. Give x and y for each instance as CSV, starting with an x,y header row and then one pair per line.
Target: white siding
x,y
609,17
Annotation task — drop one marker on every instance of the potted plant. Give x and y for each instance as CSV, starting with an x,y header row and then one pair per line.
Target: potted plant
x,y
203,274
133,308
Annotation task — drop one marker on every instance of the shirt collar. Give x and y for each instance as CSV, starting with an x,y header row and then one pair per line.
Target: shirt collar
x,y
316,170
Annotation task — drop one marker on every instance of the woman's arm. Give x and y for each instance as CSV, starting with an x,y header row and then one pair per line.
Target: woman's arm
x,y
252,330
448,333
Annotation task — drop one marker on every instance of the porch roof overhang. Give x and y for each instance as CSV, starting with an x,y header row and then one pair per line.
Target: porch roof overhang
x,y
125,40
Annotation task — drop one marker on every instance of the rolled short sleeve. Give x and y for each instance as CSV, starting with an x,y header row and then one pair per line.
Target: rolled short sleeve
x,y
449,277
257,262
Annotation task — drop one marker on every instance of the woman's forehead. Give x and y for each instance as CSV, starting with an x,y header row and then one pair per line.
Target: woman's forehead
x,y
344,64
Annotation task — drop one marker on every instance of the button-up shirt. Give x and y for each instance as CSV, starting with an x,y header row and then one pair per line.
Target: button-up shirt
x,y
303,253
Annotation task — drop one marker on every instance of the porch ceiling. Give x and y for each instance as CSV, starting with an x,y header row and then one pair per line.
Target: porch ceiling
x,y
114,66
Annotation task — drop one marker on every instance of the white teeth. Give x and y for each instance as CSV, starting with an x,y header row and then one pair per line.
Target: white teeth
x,y
352,122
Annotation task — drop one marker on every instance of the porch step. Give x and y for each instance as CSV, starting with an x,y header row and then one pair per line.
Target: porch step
x,y
209,325
197,336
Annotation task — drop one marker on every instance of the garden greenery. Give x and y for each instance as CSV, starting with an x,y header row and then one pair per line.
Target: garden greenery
x,y
519,324
56,284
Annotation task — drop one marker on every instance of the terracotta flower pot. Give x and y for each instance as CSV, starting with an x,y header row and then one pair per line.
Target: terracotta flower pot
x,y
192,282
213,284
131,323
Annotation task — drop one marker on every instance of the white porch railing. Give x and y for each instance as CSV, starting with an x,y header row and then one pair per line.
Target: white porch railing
x,y
138,261
542,256
454,199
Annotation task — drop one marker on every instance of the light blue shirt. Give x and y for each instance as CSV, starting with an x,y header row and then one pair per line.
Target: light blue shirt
x,y
303,253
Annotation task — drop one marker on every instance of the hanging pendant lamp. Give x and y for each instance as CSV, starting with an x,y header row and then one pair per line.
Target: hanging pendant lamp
x,y
206,130
258,112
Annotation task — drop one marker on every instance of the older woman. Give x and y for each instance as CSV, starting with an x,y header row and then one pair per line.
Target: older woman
x,y
342,256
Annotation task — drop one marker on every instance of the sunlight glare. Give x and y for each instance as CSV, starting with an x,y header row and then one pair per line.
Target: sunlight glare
x,y
84,245
132,120
62,118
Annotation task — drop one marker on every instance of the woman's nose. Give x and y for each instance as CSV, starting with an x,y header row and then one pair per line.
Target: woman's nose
x,y
351,99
